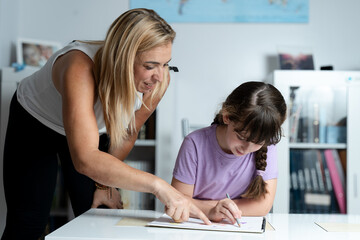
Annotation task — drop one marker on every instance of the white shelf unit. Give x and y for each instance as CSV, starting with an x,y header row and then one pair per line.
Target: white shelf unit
x,y
350,81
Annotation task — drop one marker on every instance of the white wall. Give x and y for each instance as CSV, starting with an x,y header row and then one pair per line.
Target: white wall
x,y
8,30
208,55
213,58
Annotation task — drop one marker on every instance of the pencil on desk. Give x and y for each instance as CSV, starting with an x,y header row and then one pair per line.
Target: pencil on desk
x,y
237,219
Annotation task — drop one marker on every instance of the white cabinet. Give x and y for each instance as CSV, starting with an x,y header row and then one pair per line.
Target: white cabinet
x,y
332,97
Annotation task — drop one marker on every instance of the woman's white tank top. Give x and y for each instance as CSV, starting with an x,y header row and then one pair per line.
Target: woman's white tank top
x,y
38,95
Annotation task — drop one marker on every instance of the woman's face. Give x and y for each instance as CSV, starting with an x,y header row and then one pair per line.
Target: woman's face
x,y
149,67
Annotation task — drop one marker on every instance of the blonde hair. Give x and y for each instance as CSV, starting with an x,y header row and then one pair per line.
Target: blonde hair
x,y
132,33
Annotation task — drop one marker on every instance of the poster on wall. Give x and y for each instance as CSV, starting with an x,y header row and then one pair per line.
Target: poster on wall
x,y
222,11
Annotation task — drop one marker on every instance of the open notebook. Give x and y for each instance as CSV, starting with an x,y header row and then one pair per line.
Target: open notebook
x,y
248,224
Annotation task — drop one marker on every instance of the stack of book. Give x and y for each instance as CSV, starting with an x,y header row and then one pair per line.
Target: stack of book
x,y
317,180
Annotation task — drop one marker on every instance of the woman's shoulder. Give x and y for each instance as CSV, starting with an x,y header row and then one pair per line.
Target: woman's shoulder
x,y
73,61
78,48
73,69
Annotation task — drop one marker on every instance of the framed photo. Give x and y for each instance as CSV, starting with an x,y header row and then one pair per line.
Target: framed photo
x,y
295,58
35,53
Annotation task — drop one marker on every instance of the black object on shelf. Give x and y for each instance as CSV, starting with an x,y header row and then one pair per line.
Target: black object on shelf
x,y
326,68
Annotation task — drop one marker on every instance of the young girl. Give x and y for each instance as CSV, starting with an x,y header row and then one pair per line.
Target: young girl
x,y
235,155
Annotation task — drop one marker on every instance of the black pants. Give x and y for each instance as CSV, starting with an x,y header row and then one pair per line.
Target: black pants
x,y
31,154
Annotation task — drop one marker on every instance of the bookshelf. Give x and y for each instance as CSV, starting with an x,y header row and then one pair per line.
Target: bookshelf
x,y
142,157
323,117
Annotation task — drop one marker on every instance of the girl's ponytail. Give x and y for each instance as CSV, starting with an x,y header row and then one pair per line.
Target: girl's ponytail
x,y
257,187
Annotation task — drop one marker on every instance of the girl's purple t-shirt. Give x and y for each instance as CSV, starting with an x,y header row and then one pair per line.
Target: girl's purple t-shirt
x,y
202,163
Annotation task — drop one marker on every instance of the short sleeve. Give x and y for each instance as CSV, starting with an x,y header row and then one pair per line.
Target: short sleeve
x,y
271,170
186,163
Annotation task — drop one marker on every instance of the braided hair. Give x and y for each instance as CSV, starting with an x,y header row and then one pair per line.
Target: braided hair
x,y
257,109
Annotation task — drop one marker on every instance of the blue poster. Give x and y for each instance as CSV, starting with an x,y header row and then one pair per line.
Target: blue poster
x,y
221,11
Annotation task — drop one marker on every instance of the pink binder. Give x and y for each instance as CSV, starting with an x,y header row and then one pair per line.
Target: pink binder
x,y
336,181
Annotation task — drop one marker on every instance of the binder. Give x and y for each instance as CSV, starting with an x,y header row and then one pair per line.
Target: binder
x,y
336,180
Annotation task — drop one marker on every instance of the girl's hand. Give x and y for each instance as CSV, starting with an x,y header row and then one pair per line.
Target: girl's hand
x,y
225,209
110,198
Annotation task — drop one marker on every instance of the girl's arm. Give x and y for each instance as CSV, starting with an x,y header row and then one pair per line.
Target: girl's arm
x,y
248,207
73,78
260,207
215,210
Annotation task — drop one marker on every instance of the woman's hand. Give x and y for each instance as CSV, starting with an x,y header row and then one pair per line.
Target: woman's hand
x,y
178,206
225,209
110,198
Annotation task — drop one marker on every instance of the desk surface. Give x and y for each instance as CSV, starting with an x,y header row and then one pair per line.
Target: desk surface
x,y
103,224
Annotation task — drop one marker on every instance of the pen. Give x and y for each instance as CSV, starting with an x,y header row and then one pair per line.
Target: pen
x,y
237,219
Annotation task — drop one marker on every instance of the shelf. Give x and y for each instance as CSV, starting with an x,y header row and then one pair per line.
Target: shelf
x,y
317,145
145,143
322,105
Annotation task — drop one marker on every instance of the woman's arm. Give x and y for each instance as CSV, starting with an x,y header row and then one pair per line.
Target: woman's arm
x,y
187,190
73,77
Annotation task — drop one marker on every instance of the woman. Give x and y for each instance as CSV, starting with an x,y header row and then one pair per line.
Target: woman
x,y
86,89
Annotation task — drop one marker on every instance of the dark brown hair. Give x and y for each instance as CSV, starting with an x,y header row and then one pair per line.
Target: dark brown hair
x,y
258,110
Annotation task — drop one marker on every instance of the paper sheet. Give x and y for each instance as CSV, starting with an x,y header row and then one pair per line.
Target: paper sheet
x,y
248,224
340,227
134,221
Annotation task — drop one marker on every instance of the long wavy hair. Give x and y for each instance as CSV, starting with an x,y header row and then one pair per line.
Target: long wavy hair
x,y
134,32
257,109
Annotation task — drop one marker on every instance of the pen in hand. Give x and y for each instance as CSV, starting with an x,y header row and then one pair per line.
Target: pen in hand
x,y
237,219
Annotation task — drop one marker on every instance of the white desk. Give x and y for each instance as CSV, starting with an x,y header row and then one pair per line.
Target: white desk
x,y
102,224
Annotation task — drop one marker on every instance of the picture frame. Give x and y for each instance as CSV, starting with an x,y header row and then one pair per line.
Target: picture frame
x,y
295,58
35,53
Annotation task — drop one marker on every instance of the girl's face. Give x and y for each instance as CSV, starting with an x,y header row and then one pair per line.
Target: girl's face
x,y
236,143
149,67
